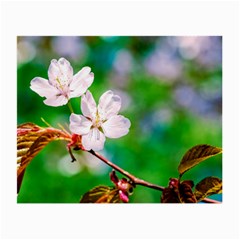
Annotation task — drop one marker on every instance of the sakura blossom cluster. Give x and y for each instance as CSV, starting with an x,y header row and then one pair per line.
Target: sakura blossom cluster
x,y
96,121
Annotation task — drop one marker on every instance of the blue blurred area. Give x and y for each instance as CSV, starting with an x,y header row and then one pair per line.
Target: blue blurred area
x,y
171,90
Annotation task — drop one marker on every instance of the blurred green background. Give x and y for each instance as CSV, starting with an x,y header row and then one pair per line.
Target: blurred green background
x,y
171,89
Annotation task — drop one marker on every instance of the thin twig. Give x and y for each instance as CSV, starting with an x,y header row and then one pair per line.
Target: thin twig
x,y
135,180
208,200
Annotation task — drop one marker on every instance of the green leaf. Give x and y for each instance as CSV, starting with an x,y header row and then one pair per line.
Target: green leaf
x,y
195,155
208,186
31,139
101,194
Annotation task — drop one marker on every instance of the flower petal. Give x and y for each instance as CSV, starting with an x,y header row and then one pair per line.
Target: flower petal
x,y
65,67
93,140
81,82
109,105
88,105
79,124
42,87
116,126
60,71
53,70
56,100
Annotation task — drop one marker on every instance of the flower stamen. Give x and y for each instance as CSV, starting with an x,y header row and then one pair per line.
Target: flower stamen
x,y
98,121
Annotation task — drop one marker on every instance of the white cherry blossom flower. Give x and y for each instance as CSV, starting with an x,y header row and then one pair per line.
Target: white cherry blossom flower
x,y
62,84
99,122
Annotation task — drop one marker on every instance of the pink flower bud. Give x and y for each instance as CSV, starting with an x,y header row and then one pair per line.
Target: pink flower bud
x,y
124,187
114,177
173,183
123,196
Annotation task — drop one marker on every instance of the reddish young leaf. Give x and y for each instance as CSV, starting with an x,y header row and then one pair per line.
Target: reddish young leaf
x,y
170,194
178,192
196,155
186,194
31,139
101,194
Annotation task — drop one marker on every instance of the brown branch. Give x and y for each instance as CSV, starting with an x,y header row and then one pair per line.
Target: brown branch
x,y
136,180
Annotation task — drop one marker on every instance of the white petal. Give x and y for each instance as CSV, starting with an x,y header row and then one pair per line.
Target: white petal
x,y
60,70
83,73
88,105
42,87
53,70
116,126
81,82
66,68
56,100
79,124
109,105
93,140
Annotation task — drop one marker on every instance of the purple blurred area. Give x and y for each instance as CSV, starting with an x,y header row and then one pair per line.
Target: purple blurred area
x,y
185,63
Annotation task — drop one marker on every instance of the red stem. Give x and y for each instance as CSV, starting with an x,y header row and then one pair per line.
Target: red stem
x,y
135,180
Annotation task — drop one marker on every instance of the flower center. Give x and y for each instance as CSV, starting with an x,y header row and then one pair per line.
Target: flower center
x,y
98,121
62,85
61,82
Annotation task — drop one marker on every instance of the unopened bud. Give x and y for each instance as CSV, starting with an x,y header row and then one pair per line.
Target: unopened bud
x,y
173,183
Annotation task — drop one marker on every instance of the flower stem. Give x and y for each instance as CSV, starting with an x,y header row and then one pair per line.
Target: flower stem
x,y
135,180
70,107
